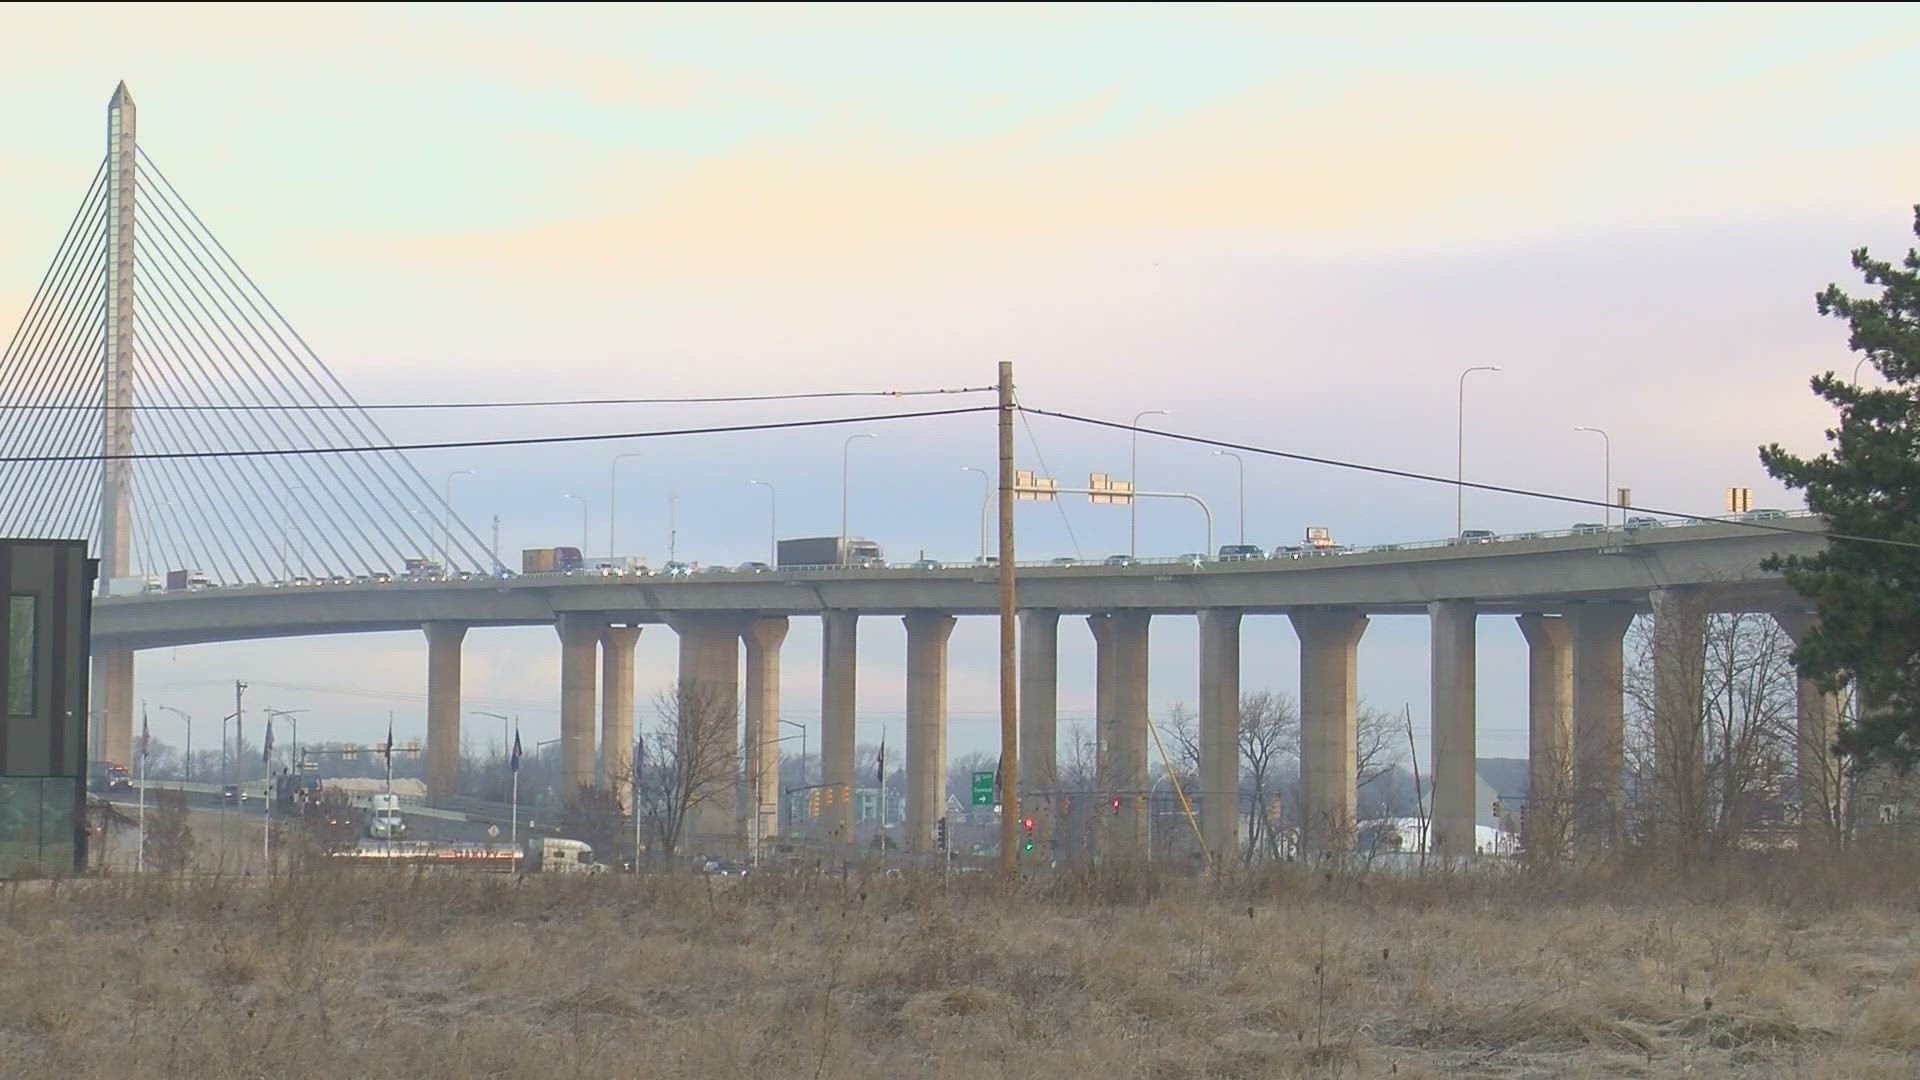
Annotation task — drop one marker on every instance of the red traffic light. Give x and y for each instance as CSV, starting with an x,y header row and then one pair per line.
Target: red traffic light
x,y
1026,823
1116,804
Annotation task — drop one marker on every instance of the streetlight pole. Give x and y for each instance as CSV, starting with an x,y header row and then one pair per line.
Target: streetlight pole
x,y
189,757
583,522
446,524
1460,458
1242,463
612,473
1606,511
286,526
773,524
803,748
291,716
846,453
506,744
1133,482
986,501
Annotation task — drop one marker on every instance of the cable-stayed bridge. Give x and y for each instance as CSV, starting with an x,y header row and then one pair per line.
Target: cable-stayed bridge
x,y
155,403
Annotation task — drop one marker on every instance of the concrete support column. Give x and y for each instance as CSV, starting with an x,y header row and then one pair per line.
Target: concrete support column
x,y
838,654
764,638
1680,797
443,708
112,704
927,634
1329,725
1101,626
1549,806
1599,720
1454,731
1818,722
1039,720
1128,753
708,704
616,710
579,648
1220,731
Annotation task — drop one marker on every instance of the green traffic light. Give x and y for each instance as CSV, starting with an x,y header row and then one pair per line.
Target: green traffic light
x,y
1029,846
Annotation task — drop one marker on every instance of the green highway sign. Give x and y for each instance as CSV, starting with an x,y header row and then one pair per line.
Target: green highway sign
x,y
983,789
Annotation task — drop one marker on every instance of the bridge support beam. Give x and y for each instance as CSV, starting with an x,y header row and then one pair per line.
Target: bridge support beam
x,y
1549,807
443,708
707,709
616,711
1126,759
839,653
1679,748
1454,731
579,648
763,639
927,635
1039,723
1599,720
1220,731
1819,713
1329,725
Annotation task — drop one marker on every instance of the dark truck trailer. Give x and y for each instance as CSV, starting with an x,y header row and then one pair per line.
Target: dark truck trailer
x,y
829,551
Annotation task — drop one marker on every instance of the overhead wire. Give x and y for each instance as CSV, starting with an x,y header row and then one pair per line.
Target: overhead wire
x,y
1408,474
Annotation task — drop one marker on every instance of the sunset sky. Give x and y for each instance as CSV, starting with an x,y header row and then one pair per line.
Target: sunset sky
x,y
1290,227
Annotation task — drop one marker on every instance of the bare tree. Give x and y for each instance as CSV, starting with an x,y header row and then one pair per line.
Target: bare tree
x,y
1379,740
596,816
1713,726
691,767
170,841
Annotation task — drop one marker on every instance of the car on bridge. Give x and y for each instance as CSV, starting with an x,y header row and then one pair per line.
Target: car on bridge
x,y
1064,560
1240,552
1119,560
1587,528
753,568
927,564
1766,514
1634,524
1476,536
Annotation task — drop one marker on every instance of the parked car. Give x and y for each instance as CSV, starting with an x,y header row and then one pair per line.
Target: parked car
x,y
1240,552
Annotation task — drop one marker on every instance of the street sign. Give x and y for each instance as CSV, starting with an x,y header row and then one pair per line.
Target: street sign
x,y
493,832
1739,500
983,789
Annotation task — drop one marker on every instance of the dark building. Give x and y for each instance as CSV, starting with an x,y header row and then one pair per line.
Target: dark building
x,y
48,587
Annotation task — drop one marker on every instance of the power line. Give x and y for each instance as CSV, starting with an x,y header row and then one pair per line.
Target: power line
x,y
1407,474
535,440
731,399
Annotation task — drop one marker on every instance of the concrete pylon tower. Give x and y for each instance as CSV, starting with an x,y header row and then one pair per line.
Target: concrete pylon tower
x,y
112,738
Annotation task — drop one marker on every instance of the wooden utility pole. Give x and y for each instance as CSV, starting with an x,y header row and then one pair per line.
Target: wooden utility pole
x,y
1010,808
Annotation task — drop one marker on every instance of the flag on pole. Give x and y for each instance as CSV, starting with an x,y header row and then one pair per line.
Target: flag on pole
x,y
880,764
266,748
146,736
386,749
513,759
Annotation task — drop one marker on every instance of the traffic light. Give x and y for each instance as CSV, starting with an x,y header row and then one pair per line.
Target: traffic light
x,y
940,835
1026,825
1115,804
813,803
1496,808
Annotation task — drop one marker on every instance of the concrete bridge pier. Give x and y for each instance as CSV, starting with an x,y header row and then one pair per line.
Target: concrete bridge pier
x,y
707,708
763,639
1039,725
839,654
1220,731
1548,809
443,708
1453,731
1599,719
616,710
1329,725
1818,716
1128,749
927,635
579,650
112,705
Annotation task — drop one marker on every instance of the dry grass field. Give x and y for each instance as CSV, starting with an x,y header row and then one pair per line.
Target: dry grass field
x,y
1771,970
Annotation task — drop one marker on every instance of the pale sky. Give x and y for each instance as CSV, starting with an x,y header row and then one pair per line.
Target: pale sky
x,y
1290,227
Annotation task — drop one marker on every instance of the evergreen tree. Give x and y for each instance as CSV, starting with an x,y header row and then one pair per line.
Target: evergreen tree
x,y
1867,485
